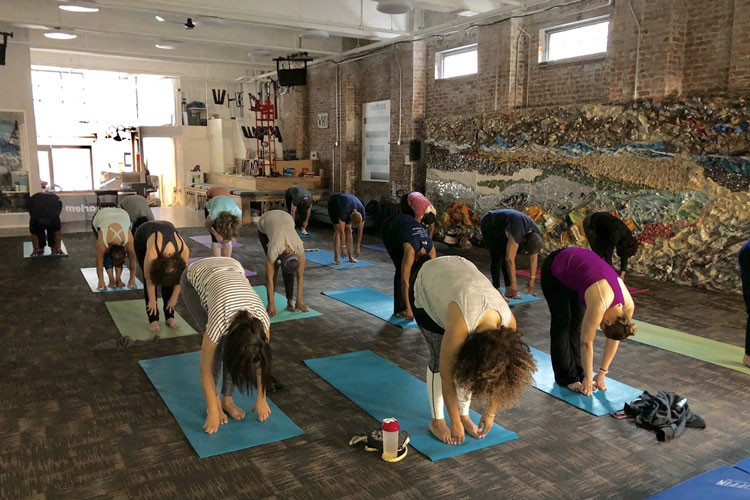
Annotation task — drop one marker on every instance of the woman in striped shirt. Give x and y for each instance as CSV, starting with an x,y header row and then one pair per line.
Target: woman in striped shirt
x,y
236,337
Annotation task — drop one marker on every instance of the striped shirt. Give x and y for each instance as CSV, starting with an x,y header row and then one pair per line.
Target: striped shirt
x,y
224,290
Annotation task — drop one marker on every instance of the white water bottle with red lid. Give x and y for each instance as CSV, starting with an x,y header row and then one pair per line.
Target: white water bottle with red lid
x,y
390,429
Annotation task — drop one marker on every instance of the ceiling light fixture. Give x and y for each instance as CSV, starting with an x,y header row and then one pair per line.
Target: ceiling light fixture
x,y
58,34
467,13
394,6
166,44
159,18
80,7
314,35
260,53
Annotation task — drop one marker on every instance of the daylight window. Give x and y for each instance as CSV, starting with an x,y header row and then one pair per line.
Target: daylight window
x,y
574,40
451,63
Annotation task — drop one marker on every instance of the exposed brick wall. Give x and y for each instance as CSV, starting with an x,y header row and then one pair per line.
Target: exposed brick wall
x,y
739,67
708,45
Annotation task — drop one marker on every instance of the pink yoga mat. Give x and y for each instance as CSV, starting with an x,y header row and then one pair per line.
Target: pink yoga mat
x,y
248,273
526,273
205,240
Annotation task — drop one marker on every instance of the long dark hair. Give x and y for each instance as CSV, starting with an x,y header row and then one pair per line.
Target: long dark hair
x,y
247,350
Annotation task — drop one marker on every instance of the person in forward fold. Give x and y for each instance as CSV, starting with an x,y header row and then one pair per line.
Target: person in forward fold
x,y
137,208
44,223
346,210
223,220
299,200
114,240
605,233
419,207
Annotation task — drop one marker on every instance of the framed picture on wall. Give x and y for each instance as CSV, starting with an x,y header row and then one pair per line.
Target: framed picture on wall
x,y
14,161
376,135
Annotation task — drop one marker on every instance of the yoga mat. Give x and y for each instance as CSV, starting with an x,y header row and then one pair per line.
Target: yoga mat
x,y
131,320
377,248
177,380
308,235
636,291
325,258
28,247
525,299
205,240
89,274
282,313
744,465
384,390
371,301
693,346
724,482
248,272
527,273
599,403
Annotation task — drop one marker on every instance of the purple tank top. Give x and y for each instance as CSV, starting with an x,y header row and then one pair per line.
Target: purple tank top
x,y
579,268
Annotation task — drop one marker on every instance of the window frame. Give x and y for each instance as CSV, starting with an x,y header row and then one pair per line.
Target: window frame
x,y
546,33
441,55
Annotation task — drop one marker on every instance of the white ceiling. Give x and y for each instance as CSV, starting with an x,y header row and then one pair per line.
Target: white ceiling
x,y
239,32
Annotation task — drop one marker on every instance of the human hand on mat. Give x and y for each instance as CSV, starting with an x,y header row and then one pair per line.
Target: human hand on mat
x,y
530,288
511,292
301,306
406,314
587,386
485,424
152,307
356,252
131,282
457,432
271,309
212,422
599,382
101,285
261,406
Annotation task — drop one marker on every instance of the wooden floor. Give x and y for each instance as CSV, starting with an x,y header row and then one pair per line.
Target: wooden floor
x,y
78,424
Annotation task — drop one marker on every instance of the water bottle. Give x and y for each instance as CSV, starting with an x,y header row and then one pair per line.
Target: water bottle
x,y
390,438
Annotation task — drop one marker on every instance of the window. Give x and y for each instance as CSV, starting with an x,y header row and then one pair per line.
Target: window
x,y
451,63
579,39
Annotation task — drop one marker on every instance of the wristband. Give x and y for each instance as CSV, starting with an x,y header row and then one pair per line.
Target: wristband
x,y
492,414
603,370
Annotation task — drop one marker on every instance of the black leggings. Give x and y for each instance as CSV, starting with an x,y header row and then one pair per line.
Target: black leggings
x,y
566,313
497,244
395,249
288,277
745,274
166,293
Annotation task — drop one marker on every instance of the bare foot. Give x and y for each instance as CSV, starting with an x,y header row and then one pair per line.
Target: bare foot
x,y
575,387
57,251
746,360
120,284
154,326
440,430
232,409
353,260
336,262
38,251
469,426
290,307
222,416
172,323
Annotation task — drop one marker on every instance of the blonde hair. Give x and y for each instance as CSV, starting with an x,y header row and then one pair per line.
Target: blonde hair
x,y
355,217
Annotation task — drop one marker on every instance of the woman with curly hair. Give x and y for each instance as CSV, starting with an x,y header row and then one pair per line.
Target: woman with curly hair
x,y
605,233
583,292
223,219
163,256
475,348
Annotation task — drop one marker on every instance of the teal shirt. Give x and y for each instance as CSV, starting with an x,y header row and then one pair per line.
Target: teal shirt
x,y
219,204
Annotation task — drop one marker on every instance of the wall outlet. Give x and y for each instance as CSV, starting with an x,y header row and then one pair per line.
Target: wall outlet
x,y
313,155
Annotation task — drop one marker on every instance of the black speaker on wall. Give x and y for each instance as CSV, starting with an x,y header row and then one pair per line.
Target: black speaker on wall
x,y
415,150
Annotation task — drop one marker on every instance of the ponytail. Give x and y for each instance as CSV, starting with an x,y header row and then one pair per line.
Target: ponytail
x,y
247,352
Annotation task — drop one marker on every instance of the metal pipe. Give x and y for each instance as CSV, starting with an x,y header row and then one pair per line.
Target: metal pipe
x,y
400,80
637,51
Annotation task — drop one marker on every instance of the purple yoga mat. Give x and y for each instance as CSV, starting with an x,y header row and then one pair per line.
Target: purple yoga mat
x,y
248,273
205,240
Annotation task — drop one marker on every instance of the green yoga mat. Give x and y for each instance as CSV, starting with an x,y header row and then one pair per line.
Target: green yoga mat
x,y
131,320
282,313
693,346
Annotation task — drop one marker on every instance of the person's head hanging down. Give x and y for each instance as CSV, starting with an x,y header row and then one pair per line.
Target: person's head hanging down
x,y
236,342
223,220
475,348
44,222
418,206
583,292
346,210
138,210
299,201
607,233
114,241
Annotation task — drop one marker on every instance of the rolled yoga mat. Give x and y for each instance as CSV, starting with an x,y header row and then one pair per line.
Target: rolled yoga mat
x,y
693,346
248,272
282,313
28,248
599,403
371,301
89,274
724,482
384,390
205,240
325,257
131,320
177,380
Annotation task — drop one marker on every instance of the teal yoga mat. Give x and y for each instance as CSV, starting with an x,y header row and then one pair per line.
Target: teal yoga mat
x,y
599,403
377,248
28,247
325,258
384,390
89,274
371,301
308,235
525,299
177,380
282,313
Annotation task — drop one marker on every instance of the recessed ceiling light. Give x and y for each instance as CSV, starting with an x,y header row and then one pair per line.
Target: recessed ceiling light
x,y
314,35
467,13
80,7
394,6
166,44
58,34
159,18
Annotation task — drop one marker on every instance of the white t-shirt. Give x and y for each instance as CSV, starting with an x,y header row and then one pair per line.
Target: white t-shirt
x,y
454,279
278,226
224,289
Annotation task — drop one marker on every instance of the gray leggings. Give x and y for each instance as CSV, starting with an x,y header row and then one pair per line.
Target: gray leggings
x,y
192,301
434,340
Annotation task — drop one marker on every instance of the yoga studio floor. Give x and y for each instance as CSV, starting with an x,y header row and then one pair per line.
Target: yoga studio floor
x,y
77,423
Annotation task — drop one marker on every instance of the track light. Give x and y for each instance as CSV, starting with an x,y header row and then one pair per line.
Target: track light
x,y
166,44
58,34
79,6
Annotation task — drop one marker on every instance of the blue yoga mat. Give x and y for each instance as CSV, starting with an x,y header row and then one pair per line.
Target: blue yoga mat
x,y
744,465
377,248
308,235
371,301
282,313
177,380
599,403
28,247
89,274
525,299
384,390
724,482
325,258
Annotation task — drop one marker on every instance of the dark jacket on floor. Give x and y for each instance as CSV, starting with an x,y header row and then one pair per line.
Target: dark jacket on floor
x,y
666,413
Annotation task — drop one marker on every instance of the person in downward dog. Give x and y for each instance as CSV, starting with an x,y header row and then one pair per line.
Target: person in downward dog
x,y
475,349
236,337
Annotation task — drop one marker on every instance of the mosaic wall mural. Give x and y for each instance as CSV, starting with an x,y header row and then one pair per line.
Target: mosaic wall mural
x,y
678,172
